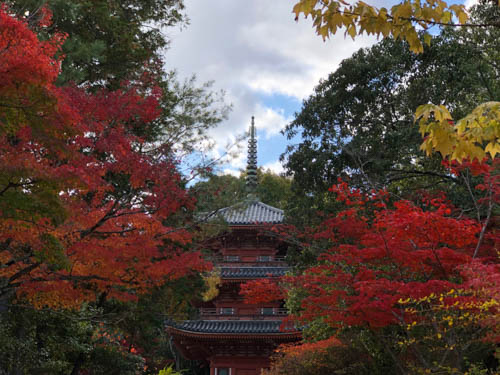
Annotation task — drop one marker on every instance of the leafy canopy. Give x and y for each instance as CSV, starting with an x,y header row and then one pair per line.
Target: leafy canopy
x,y
107,41
94,216
407,274
400,21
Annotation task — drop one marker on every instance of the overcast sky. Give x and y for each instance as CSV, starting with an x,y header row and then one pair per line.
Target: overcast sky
x,y
265,61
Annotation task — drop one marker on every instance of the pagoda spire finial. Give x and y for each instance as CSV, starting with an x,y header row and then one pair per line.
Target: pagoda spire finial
x,y
251,180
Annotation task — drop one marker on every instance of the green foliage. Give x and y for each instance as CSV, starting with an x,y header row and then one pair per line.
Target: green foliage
x,y
359,123
108,41
142,323
169,371
46,342
52,253
226,190
30,199
113,338
218,192
189,110
274,189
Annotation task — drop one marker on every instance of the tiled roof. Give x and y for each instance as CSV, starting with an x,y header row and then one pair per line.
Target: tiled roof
x,y
229,326
248,213
252,272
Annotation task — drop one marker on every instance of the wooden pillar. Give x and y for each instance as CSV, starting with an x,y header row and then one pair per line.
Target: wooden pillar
x,y
238,365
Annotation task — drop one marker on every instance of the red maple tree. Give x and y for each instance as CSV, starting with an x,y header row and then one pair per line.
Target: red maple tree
x,y
423,269
85,200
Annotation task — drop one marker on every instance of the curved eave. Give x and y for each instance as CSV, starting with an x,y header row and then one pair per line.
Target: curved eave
x,y
250,213
254,225
277,336
244,280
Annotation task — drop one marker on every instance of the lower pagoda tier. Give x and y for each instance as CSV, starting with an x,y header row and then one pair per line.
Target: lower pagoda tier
x,y
232,347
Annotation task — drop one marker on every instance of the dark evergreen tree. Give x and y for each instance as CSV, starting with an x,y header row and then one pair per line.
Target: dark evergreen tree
x,y
107,41
359,122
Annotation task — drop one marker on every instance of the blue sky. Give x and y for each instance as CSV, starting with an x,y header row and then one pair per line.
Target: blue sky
x,y
265,62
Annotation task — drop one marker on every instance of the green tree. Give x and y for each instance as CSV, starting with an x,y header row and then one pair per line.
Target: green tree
x,y
108,41
107,337
360,120
217,192
60,342
220,191
189,110
474,136
111,42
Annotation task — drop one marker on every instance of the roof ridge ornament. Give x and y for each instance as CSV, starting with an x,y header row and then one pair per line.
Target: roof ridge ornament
x,y
251,179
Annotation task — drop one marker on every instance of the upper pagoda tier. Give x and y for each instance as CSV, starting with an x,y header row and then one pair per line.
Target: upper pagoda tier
x,y
250,212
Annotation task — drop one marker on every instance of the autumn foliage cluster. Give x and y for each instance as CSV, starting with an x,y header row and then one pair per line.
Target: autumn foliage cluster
x,y
86,195
421,270
90,198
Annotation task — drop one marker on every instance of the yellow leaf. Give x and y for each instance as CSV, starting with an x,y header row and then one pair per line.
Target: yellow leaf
x,y
336,20
347,20
463,17
493,148
427,39
382,14
351,30
438,115
413,40
446,114
423,111
384,27
323,31
476,152
443,142
402,11
461,126
446,17
298,8
304,6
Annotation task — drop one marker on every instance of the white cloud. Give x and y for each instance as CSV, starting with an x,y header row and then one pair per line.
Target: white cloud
x,y
233,172
271,120
469,3
275,167
251,49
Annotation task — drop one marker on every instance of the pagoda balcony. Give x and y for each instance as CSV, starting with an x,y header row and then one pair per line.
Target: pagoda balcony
x,y
258,261
248,272
266,313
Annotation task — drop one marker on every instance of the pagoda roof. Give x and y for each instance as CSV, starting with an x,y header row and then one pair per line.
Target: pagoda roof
x,y
249,213
201,339
232,326
252,272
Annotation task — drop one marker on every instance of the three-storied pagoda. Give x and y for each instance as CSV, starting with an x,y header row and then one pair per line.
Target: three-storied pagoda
x,y
233,337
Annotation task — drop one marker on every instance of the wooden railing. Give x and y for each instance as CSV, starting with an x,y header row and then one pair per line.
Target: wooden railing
x,y
258,314
230,259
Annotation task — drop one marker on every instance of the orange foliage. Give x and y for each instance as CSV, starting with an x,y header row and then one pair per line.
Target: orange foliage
x,y
262,291
312,347
84,200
